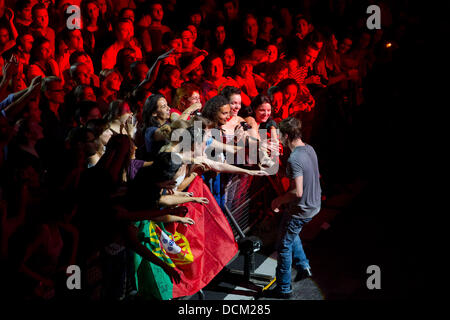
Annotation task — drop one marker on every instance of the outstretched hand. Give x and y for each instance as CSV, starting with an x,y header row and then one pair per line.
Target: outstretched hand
x,y
200,200
173,274
258,173
186,221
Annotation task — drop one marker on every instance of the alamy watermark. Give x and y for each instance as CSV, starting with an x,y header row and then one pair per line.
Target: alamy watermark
x,y
74,20
374,280
374,20
74,277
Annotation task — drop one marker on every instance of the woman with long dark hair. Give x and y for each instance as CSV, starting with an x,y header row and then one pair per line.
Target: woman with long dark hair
x,y
94,32
155,114
168,81
41,61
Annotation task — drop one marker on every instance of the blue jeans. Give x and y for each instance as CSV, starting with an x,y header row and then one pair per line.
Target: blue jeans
x,y
290,251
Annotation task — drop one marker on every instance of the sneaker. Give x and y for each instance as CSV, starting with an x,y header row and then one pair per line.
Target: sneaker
x,y
303,274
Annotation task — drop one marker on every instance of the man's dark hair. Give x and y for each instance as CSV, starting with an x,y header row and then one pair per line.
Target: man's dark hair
x,y
292,127
79,90
36,47
212,107
210,58
75,55
78,135
287,82
312,45
115,110
84,107
259,100
142,191
228,91
21,4
272,90
300,16
97,126
170,36
37,6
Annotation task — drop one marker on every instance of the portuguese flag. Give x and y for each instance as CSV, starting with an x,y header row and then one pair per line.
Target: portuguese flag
x,y
198,251
210,241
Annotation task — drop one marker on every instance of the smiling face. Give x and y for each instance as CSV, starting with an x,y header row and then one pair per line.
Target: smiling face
x,y
186,102
229,58
223,114
162,111
235,104
193,30
262,113
272,53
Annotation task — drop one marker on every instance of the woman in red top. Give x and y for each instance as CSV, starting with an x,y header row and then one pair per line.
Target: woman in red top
x,y
187,100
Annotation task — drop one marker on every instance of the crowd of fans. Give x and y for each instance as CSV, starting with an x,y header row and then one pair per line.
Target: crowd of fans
x,y
87,116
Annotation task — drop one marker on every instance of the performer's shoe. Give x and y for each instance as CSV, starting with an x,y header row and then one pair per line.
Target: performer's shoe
x,y
303,274
276,294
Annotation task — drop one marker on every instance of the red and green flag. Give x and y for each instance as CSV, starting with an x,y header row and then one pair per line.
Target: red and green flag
x,y
198,252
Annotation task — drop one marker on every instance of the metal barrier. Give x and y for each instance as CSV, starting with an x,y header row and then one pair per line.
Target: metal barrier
x,y
246,199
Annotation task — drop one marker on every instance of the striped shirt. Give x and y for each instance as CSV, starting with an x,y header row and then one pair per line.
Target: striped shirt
x,y
299,74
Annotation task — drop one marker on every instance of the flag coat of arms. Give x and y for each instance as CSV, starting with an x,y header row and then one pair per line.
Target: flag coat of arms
x,y
198,252
210,240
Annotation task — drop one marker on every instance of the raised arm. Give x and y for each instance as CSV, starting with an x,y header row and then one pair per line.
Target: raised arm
x,y
228,168
21,98
174,200
153,71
